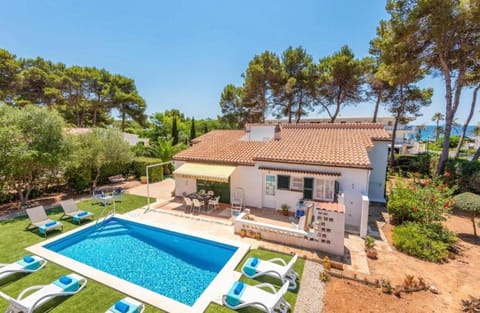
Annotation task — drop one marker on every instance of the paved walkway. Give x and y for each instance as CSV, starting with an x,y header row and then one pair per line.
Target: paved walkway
x,y
310,295
161,190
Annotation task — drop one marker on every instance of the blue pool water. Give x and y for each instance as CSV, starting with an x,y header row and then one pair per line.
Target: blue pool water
x,y
175,265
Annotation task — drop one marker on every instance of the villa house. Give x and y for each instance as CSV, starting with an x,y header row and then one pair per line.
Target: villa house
x,y
341,167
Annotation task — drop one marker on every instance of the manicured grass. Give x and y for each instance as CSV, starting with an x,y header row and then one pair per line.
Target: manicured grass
x,y
14,239
291,296
95,297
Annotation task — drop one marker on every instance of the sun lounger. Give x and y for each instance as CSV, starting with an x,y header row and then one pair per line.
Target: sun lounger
x,y
277,267
127,305
39,219
64,286
70,210
28,264
242,295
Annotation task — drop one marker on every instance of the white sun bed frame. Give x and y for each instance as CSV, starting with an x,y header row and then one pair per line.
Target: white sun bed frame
x,y
12,268
277,268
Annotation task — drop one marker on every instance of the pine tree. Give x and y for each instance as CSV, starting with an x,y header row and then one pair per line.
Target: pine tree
x,y
174,131
192,130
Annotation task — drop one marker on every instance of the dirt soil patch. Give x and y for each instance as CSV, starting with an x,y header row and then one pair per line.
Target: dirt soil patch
x,y
455,280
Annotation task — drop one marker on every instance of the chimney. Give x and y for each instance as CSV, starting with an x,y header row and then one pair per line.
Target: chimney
x,y
276,133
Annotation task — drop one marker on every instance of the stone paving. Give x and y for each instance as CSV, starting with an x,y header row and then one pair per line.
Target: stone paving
x,y
310,295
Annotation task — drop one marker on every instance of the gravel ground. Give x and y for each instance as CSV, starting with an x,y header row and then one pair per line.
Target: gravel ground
x,y
310,296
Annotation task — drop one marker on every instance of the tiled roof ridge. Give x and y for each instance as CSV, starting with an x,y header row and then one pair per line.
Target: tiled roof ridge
x,y
334,125
363,125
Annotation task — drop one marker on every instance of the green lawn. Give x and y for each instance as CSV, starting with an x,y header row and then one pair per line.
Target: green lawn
x,y
95,297
291,296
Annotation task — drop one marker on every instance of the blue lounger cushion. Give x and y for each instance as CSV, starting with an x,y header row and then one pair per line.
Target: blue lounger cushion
x,y
250,267
124,306
81,215
235,293
29,263
44,228
67,283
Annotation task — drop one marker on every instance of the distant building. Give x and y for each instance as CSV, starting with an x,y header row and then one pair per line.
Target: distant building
x,y
132,139
403,134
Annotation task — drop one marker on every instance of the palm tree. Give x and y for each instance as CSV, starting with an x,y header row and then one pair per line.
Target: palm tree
x,y
437,117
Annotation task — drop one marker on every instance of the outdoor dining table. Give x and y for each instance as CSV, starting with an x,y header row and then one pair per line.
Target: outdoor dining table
x,y
204,198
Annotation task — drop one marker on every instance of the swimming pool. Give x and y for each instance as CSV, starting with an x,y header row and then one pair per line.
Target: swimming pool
x,y
175,265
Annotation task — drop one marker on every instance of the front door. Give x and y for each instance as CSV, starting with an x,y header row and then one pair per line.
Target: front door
x,y
269,187
308,188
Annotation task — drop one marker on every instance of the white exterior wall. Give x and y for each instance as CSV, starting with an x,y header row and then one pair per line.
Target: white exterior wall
x,y
250,180
352,182
184,185
378,158
259,133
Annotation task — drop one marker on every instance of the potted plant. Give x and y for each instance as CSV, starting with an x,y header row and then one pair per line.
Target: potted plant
x,y
285,209
143,179
243,232
370,247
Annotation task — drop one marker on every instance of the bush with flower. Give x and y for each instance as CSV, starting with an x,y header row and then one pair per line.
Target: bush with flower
x,y
420,200
419,204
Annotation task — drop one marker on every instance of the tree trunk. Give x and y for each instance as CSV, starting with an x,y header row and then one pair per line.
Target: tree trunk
x,y
474,226
337,110
395,126
377,105
392,144
469,118
451,106
123,118
476,155
95,180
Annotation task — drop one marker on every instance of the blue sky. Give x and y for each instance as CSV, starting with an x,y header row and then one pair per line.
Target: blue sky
x,y
182,53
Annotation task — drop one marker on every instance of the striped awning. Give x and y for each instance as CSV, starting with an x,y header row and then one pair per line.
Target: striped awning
x,y
297,171
216,173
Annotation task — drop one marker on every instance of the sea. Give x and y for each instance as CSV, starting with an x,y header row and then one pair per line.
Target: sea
x,y
428,132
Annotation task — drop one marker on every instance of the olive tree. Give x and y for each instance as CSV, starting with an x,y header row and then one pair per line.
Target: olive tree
x,y
97,148
33,147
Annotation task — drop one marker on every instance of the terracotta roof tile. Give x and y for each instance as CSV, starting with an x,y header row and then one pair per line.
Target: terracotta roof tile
x,y
340,145
223,147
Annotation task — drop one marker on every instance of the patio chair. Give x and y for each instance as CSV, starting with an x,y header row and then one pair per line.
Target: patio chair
x,y
39,219
70,210
242,295
213,203
98,196
127,305
117,194
27,264
210,193
277,267
64,286
197,205
188,204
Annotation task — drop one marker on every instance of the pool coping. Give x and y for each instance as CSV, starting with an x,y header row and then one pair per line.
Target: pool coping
x,y
219,285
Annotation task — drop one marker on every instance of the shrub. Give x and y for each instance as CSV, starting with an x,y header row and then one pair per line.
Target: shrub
x,y
413,163
427,242
464,174
138,168
78,180
423,200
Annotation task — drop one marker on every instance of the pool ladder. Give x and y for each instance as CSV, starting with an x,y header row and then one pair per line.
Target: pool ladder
x,y
104,215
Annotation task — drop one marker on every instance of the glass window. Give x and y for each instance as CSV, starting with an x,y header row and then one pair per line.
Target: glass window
x,y
270,185
324,189
283,182
297,183
319,188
